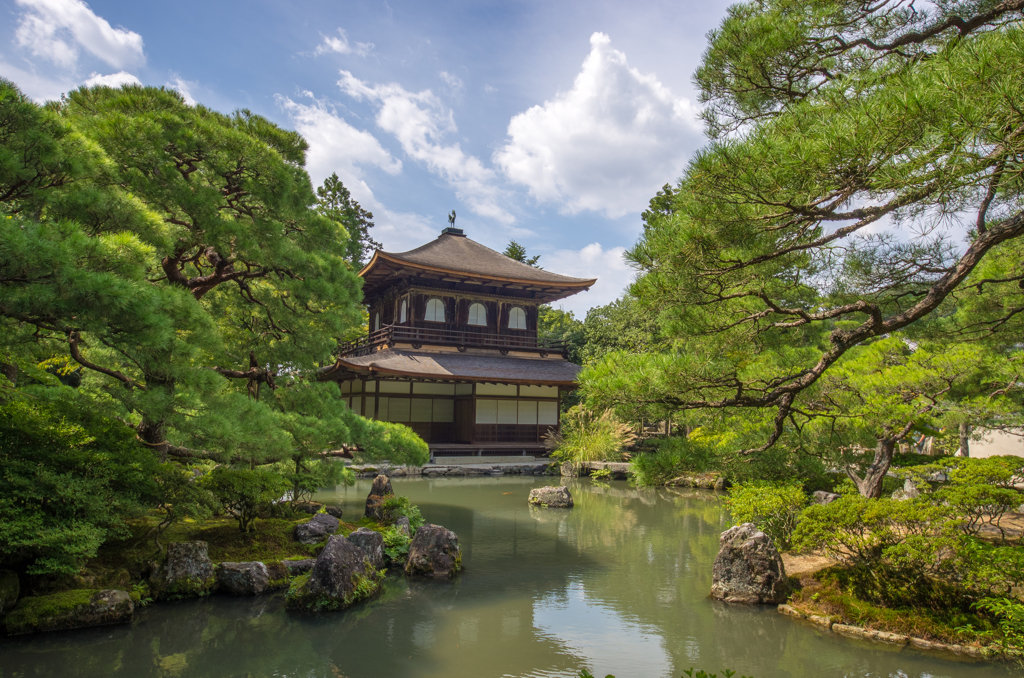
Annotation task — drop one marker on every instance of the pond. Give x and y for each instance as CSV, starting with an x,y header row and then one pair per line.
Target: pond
x,y
617,585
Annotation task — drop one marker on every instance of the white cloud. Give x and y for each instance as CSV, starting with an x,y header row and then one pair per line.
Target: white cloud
x,y
39,87
490,89
340,45
184,87
335,146
607,144
56,29
593,261
454,83
112,80
420,121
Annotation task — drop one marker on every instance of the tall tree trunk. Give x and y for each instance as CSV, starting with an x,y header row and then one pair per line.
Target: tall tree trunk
x,y
152,429
870,485
965,440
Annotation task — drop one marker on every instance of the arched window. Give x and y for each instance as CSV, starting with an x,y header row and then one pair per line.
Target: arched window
x,y
376,321
477,315
435,311
517,319
401,313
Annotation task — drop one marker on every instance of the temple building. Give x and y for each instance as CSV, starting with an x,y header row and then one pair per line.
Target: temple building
x,y
452,349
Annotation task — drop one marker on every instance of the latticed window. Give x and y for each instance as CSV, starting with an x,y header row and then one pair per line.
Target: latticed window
x,y
401,312
517,319
435,311
477,315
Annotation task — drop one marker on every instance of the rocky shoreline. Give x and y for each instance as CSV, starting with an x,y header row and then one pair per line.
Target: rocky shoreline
x,y
347,569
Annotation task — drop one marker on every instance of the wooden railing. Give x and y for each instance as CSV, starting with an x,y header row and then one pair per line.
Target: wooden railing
x,y
423,336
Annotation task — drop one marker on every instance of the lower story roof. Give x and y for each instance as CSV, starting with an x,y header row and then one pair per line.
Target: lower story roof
x,y
419,364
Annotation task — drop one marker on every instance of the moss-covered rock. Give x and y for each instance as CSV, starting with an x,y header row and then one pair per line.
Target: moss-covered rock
x,y
278,574
187,572
434,552
341,577
243,579
79,608
9,590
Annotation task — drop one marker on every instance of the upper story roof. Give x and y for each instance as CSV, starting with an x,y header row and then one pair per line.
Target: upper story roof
x,y
454,258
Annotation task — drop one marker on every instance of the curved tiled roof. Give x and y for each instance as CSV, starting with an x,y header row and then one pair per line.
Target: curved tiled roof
x,y
465,367
457,253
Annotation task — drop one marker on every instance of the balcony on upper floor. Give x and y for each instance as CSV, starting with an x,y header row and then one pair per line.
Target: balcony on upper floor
x,y
421,337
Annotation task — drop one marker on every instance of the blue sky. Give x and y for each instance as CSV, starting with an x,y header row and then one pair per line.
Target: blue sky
x,y
549,122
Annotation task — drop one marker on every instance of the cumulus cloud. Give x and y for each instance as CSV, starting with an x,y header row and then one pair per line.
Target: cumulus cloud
x,y
184,88
341,45
593,261
57,29
335,146
112,80
420,121
607,144
38,86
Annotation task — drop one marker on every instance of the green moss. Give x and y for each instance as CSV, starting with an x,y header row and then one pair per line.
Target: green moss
x,y
824,594
364,586
39,613
187,588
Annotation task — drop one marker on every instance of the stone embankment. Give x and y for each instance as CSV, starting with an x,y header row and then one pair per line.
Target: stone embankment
x,y
458,470
897,639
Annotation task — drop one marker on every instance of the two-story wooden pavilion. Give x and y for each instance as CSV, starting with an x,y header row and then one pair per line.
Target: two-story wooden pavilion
x,y
453,351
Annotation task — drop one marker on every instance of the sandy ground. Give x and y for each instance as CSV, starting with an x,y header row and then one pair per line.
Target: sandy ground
x,y
805,564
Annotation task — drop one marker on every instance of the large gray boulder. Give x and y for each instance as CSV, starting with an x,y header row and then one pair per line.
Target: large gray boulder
x,y
243,579
186,572
375,500
748,568
70,610
909,491
342,576
316,529
372,543
434,552
551,497
823,497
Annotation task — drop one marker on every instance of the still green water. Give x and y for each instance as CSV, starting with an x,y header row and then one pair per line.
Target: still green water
x,y
617,585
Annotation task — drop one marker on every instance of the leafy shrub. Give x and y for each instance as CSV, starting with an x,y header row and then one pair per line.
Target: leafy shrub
x,y
773,507
69,480
396,543
1010,618
178,496
600,474
245,493
979,491
670,458
307,477
396,506
586,436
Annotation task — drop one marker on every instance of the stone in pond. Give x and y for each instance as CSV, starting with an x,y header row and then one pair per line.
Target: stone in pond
x,y
310,507
434,552
74,609
372,544
318,527
748,568
334,511
186,572
342,576
375,500
551,497
243,579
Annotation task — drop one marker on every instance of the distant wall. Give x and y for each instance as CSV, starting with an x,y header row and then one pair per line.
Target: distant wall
x,y
997,443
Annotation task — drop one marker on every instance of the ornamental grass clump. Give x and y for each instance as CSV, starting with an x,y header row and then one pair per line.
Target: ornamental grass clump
x,y
587,436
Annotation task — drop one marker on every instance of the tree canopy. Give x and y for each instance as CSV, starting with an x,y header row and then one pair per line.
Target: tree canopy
x,y
862,178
